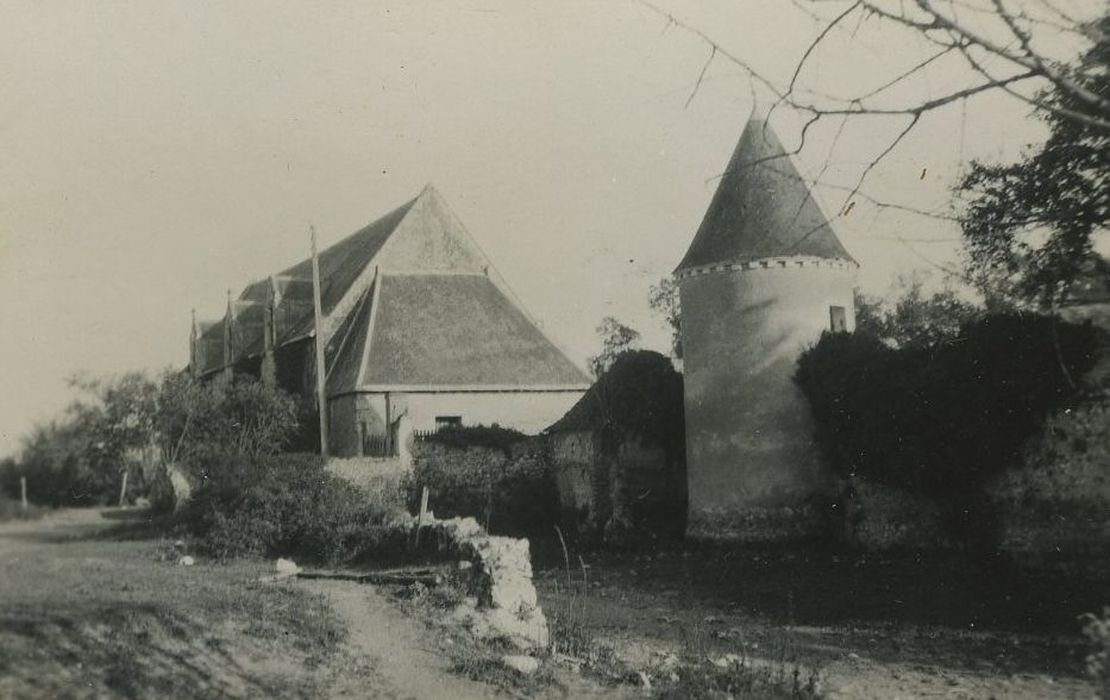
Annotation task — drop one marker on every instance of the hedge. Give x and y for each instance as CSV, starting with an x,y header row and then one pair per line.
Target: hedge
x,y
940,420
287,505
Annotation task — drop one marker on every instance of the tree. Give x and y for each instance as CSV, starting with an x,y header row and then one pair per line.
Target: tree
x,y
1002,46
198,420
913,318
1029,225
116,415
78,459
616,339
664,301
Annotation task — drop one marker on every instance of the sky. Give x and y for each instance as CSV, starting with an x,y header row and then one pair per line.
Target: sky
x,y
157,153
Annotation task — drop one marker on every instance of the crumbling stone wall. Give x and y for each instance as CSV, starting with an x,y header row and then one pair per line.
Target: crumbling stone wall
x,y
497,575
629,491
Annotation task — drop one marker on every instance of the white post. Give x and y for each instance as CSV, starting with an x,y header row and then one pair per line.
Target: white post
x,y
23,492
123,489
423,514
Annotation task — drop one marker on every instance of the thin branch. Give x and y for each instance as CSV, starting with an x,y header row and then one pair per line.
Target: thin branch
x,y
886,151
701,76
720,49
1031,62
902,76
1035,102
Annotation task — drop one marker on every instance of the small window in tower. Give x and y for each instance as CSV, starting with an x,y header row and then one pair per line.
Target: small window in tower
x,y
838,320
447,422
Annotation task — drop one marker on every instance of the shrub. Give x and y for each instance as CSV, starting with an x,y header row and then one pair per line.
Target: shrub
x,y
491,436
940,420
486,473
286,505
197,420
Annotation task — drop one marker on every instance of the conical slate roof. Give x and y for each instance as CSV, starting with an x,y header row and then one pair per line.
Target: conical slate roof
x,y
762,208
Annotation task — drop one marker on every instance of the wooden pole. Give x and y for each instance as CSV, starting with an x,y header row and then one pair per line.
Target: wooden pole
x,y
123,489
23,492
321,375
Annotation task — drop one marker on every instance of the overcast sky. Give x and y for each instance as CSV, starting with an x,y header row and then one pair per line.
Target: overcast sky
x,y
157,153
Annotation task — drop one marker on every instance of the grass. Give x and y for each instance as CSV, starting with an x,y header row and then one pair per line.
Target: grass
x,y
785,611
12,509
120,618
697,673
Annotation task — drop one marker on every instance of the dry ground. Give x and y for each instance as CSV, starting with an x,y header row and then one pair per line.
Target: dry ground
x,y
894,627
90,611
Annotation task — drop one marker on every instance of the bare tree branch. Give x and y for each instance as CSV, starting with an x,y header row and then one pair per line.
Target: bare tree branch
x,y
701,76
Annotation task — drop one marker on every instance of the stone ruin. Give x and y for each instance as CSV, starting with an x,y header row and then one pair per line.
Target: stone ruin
x,y
496,572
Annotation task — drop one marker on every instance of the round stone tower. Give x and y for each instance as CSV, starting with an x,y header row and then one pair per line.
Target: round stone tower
x,y
764,277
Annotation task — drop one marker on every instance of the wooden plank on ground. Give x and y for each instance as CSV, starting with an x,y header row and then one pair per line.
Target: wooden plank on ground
x,y
403,577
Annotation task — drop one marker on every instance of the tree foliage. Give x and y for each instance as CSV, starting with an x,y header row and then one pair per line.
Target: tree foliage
x,y
616,338
241,417
1029,225
664,301
914,318
79,458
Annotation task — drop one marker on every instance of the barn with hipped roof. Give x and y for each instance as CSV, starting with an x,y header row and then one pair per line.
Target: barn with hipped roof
x,y
419,332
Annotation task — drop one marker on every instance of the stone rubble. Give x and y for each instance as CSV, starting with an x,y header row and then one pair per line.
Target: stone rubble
x,y
524,665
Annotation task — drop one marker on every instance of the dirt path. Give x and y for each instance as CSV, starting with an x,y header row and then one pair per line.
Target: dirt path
x,y
86,614
404,652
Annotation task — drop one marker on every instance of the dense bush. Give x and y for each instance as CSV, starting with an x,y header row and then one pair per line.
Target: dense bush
x,y
491,436
940,419
286,505
489,474
57,471
640,395
196,420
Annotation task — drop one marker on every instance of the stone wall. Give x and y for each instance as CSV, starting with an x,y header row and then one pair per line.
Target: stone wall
x,y
635,491
1058,502
1055,504
574,458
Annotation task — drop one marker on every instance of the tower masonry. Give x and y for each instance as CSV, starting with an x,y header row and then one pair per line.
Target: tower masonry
x,y
764,276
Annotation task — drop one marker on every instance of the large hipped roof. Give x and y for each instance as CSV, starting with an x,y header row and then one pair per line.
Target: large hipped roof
x,y
443,330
